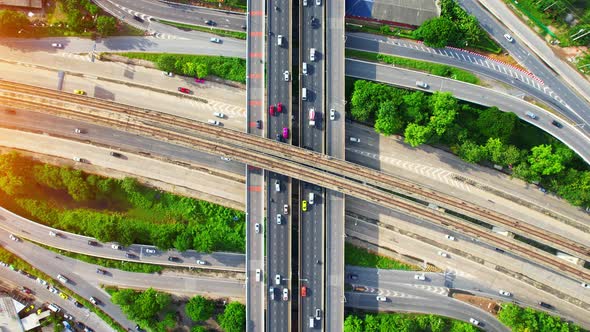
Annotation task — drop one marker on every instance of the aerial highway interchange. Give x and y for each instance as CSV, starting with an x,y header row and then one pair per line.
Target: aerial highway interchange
x,y
284,186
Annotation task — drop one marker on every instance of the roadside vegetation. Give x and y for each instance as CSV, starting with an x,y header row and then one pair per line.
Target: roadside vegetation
x,y
219,32
429,67
225,5
477,135
527,319
156,311
232,69
356,256
64,18
18,264
116,210
404,323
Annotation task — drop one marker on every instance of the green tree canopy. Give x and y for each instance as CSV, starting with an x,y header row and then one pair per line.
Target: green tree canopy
x,y
353,324
11,22
199,308
389,120
497,124
437,32
233,318
544,161
416,134
106,25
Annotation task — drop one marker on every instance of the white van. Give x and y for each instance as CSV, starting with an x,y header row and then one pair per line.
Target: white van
x,y
258,273
311,322
312,54
53,307
303,94
304,68
280,40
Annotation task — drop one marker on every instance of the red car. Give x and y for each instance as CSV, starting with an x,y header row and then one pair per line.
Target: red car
x,y
271,109
279,107
27,291
184,90
199,80
303,291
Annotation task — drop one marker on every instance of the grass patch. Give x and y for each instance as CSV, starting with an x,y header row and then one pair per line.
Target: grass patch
x,y
20,264
219,32
429,67
228,68
361,257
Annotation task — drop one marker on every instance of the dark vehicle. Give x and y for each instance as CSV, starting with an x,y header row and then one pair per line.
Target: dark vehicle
x,y
259,124
353,277
116,154
78,304
101,271
92,243
499,250
173,259
279,138
209,22
80,325
138,19
130,255
545,305
556,124
244,27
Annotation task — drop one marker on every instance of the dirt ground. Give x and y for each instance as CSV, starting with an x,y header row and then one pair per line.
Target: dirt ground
x,y
485,304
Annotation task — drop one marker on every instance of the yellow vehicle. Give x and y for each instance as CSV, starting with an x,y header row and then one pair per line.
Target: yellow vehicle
x,y
29,308
304,206
39,311
63,296
79,92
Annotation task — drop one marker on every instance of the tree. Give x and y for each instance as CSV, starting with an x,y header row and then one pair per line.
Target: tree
x,y
233,318
49,176
544,161
14,172
11,22
495,151
389,121
202,70
437,32
512,155
575,187
372,323
416,134
444,107
76,185
198,329
199,308
166,62
494,123
353,323
472,152
91,8
75,20
106,25
416,106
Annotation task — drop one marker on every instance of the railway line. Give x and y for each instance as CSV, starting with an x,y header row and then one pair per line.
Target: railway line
x,y
256,152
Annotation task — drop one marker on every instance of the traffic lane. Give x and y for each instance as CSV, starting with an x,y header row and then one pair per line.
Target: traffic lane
x,y
41,293
334,261
25,228
569,135
439,306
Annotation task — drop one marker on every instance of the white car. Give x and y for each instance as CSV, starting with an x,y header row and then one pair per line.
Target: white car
x,y
420,277
318,2
215,40
115,246
78,159
225,159
200,262
381,298
56,45
285,294
279,219
443,254
450,237
332,114
150,250
52,233
257,227
286,76
13,238
508,37
585,285
278,279
286,209
214,122
168,73
354,139
474,321
422,85
219,115
504,293
78,131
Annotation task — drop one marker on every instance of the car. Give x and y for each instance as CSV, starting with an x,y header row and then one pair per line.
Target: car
x,y
312,54
500,250
62,279
542,189
258,274
277,279
26,290
54,290
450,237
280,107
88,329
280,40
137,18
78,131
420,277
219,115
130,255
42,282
279,219
115,154
277,185
92,243
504,293
184,90
209,22
545,305
422,84
150,251
381,298
6,265
556,124
585,285
474,321
63,296
116,246
225,159
29,308
318,313
200,262
279,138
215,40
314,22
257,228
311,198
68,317
271,109
244,27
508,37
286,209
56,45
13,238
318,2
94,300
354,139
173,259
443,254
304,2
101,271
77,159
79,92
199,80
285,132
303,205
52,233
303,291
332,114
78,304
285,294
80,325
286,76
214,122
258,124
531,115
271,292
168,73
353,277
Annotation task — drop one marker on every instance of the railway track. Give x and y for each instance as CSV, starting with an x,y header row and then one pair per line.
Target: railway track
x,y
180,131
